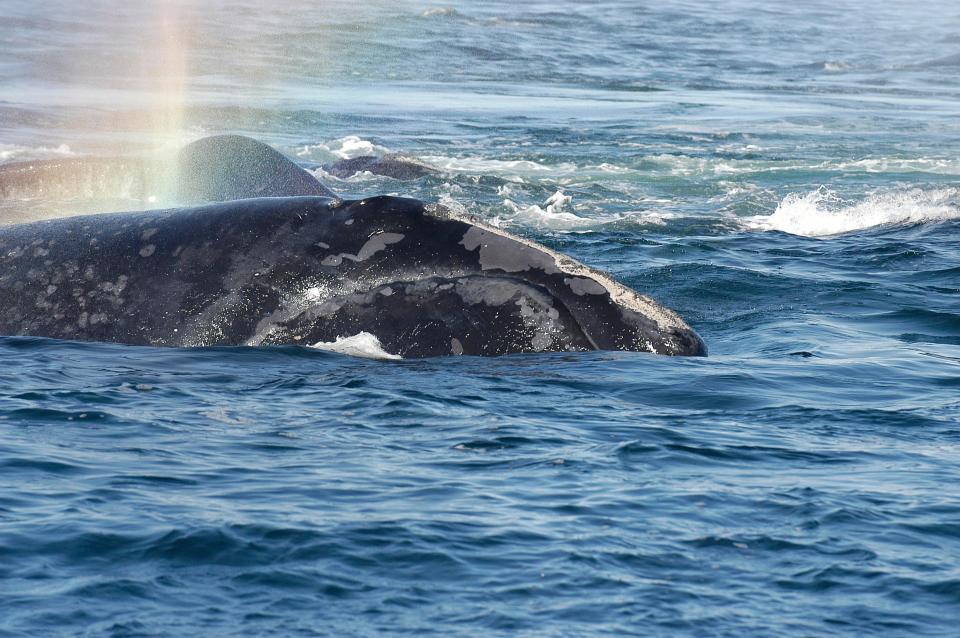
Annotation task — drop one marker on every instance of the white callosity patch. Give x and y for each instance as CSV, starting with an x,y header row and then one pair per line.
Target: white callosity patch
x,y
584,286
375,244
492,292
502,252
362,344
822,212
535,310
540,316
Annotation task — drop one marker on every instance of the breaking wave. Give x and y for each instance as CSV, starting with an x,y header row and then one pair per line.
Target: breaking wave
x,y
823,213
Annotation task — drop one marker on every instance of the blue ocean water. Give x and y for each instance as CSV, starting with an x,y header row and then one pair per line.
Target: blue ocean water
x,y
785,176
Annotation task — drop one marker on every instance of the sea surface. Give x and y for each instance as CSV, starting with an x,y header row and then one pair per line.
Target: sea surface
x,y
784,175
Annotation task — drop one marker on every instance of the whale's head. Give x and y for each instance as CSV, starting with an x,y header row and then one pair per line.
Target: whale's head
x,y
610,315
426,281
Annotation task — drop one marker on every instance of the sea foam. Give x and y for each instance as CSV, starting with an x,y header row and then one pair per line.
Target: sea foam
x,y
552,214
347,147
362,344
511,170
822,212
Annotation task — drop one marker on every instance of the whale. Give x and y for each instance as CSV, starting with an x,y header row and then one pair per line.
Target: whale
x,y
227,167
211,169
276,259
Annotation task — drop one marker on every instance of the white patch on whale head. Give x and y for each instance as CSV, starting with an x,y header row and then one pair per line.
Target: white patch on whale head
x,y
362,344
376,243
498,250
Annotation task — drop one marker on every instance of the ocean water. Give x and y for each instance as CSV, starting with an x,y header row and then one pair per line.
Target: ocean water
x,y
786,176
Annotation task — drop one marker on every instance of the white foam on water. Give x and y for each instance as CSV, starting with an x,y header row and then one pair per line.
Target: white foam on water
x,y
512,170
611,168
735,189
938,166
439,11
347,147
447,200
551,214
834,66
359,176
687,166
362,344
16,152
554,214
523,171
822,213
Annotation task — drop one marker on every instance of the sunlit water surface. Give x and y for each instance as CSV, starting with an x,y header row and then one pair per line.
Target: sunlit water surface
x,y
786,177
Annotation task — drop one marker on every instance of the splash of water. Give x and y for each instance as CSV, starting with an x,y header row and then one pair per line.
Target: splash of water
x,y
822,212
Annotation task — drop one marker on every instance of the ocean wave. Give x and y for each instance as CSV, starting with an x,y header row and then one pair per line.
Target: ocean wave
x,y
822,212
512,170
937,166
688,166
523,171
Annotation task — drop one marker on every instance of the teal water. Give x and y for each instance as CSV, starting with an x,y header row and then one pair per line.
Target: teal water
x,y
786,177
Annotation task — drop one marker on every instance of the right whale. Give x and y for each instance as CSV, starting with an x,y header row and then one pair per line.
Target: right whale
x,y
297,268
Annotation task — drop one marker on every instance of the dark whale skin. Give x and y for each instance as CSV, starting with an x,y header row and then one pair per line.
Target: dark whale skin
x,y
301,270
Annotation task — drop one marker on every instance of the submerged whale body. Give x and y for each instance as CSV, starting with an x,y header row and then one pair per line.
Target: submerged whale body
x,y
308,268
392,165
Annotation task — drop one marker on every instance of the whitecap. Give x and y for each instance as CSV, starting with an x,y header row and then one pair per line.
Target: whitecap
x,y
822,212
